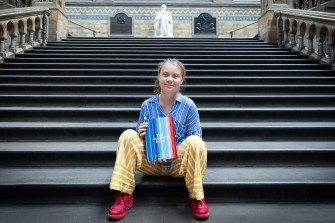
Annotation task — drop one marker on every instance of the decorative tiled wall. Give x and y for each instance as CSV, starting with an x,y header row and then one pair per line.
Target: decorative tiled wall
x,y
228,18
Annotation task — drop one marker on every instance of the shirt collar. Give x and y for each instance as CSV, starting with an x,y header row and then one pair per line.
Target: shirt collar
x,y
155,98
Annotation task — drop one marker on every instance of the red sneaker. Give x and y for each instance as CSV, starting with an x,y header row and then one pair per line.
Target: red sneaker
x,y
122,203
199,207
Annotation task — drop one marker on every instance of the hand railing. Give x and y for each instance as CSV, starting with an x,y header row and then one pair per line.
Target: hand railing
x,y
85,27
242,27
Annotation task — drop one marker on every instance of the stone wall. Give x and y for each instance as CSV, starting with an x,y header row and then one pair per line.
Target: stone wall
x,y
58,21
58,25
227,19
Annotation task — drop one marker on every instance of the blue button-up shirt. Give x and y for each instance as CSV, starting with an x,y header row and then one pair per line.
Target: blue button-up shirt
x,y
184,112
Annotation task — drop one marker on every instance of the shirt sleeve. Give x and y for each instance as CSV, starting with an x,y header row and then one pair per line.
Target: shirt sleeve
x,y
141,117
193,125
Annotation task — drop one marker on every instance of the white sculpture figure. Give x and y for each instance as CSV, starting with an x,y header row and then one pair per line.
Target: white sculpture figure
x,y
163,23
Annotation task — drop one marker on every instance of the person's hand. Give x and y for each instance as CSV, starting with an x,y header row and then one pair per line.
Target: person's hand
x,y
162,160
142,129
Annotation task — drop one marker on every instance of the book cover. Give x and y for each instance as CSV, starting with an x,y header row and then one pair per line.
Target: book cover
x,y
160,139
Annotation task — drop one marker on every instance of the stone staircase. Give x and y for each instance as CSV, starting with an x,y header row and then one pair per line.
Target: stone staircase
x,y
268,117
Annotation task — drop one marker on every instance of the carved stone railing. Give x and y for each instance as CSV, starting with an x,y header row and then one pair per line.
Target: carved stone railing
x,y
309,32
307,4
21,29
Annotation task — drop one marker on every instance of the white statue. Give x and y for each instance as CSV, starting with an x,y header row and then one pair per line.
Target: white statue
x,y
163,23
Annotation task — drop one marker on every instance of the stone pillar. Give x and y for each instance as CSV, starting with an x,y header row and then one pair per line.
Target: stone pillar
x,y
310,48
331,54
286,38
293,43
31,37
44,29
38,38
12,47
23,40
320,51
267,23
57,21
2,47
300,44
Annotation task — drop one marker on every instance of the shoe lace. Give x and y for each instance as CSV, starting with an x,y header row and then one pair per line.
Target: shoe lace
x,y
201,203
198,203
118,199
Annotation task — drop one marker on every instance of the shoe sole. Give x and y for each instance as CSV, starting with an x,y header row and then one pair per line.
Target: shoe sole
x,y
198,216
119,217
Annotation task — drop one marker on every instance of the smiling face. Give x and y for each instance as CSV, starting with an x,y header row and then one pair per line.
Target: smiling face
x,y
167,67
170,78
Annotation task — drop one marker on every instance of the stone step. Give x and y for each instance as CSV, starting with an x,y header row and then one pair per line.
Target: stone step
x,y
140,40
157,51
162,40
68,184
160,56
161,211
220,154
163,48
116,79
128,114
212,131
148,45
202,101
214,60
153,72
130,89
142,66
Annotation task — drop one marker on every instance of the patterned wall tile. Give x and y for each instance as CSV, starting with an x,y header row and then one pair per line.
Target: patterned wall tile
x,y
223,14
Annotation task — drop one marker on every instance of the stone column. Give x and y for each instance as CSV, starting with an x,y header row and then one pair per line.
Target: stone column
x,y
38,38
320,51
2,47
23,40
331,54
57,21
286,38
12,47
293,43
300,44
31,37
310,48
267,23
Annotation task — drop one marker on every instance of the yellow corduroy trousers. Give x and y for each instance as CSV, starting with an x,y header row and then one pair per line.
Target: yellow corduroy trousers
x,y
191,164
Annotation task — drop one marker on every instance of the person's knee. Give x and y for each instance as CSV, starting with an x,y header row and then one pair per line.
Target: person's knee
x,y
128,134
197,142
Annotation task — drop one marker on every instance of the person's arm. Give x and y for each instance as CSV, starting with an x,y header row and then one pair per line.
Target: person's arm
x,y
141,125
193,124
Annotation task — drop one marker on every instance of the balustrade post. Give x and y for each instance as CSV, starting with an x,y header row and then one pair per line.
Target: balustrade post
x,y
13,44
286,38
293,43
31,38
280,31
38,34
23,40
331,54
310,48
44,29
2,47
300,44
320,52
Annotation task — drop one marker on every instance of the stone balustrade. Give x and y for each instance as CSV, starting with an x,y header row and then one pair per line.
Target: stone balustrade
x,y
22,29
309,32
